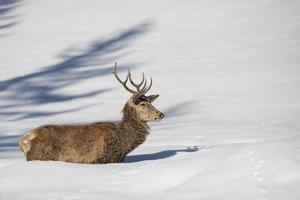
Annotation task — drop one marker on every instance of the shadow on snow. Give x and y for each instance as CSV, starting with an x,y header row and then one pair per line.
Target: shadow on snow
x,y
43,87
161,155
7,18
9,146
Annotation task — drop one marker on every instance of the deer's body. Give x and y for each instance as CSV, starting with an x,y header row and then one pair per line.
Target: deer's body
x,y
78,144
102,142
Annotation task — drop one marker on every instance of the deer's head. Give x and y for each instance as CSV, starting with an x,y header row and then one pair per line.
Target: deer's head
x,y
140,105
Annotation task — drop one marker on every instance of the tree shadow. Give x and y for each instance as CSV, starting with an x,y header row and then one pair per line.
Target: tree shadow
x,y
7,18
9,141
44,86
9,146
161,155
19,115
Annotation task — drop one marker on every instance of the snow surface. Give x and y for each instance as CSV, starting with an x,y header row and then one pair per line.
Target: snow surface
x,y
227,72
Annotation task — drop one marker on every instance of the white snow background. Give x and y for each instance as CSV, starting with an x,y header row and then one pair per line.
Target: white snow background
x,y
228,75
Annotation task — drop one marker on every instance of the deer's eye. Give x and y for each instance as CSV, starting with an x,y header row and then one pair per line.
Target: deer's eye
x,y
143,104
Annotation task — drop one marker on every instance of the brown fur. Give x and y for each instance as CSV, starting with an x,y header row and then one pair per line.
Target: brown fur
x,y
102,142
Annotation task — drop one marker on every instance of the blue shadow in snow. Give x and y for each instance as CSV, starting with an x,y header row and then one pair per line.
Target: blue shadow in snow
x,y
159,155
9,147
7,18
44,86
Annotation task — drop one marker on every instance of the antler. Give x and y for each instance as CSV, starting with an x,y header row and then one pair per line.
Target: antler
x,y
139,91
137,86
124,83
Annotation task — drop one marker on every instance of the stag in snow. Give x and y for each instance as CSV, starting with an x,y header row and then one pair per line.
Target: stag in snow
x,y
102,142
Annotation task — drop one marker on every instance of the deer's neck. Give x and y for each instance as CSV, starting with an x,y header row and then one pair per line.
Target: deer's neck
x,y
132,130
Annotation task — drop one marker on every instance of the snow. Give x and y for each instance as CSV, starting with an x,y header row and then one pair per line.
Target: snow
x,y
228,78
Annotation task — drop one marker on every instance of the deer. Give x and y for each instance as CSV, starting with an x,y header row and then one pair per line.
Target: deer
x,y
99,142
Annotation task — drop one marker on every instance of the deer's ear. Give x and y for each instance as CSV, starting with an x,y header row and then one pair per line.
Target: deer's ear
x,y
151,98
136,100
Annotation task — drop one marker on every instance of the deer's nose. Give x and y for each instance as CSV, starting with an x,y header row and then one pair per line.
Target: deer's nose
x,y
161,115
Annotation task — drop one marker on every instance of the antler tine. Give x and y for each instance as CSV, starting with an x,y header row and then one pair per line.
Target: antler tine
x,y
142,91
145,88
149,85
137,85
123,82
